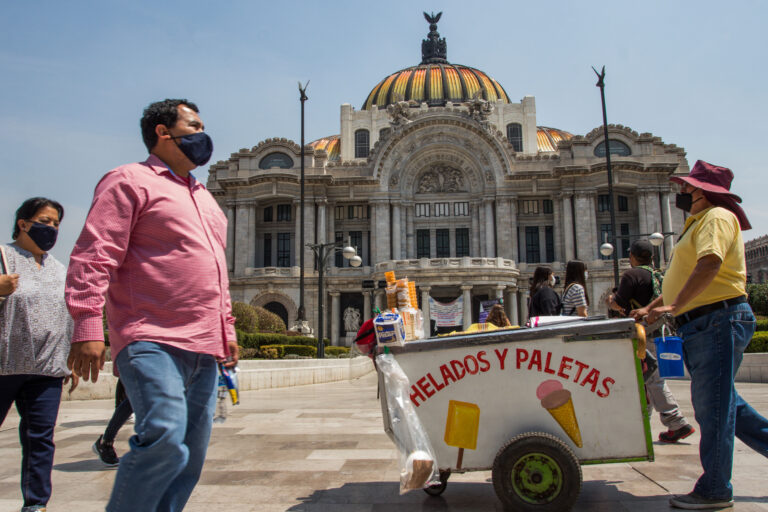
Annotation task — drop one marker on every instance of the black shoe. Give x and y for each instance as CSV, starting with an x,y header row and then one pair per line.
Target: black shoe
x,y
673,436
106,452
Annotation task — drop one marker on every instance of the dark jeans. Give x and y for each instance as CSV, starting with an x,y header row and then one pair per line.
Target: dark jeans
x,y
119,417
37,400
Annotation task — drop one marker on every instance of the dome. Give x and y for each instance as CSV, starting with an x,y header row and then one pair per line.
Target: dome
x,y
435,81
547,138
331,145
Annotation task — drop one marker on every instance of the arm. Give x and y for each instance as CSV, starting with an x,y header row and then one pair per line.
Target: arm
x,y
639,314
702,276
99,252
8,284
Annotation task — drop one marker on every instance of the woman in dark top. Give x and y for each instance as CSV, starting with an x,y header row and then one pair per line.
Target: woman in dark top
x,y
544,300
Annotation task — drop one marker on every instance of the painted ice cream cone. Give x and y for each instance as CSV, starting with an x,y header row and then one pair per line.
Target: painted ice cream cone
x,y
559,403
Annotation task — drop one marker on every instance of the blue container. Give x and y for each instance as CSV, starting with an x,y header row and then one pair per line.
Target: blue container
x,y
669,352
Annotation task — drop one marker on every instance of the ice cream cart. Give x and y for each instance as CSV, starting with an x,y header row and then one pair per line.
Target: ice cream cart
x,y
531,404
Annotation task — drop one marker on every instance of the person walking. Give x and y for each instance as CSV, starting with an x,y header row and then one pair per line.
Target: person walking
x,y
544,299
154,244
705,290
638,287
575,300
104,445
35,329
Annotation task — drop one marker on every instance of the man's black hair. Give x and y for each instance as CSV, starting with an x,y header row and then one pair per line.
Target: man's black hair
x,y
29,209
642,250
160,112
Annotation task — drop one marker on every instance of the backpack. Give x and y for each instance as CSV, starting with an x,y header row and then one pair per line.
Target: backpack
x,y
657,278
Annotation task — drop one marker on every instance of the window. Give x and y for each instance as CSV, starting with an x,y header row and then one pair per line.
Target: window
x,y
357,211
283,212
338,213
461,209
442,210
603,203
356,241
462,242
422,209
529,206
279,160
283,249
532,252
549,242
339,257
443,243
623,204
422,243
267,249
268,214
515,136
618,148
625,240
546,206
362,143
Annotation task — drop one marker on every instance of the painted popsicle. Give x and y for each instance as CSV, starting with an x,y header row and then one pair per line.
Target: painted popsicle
x,y
461,427
559,403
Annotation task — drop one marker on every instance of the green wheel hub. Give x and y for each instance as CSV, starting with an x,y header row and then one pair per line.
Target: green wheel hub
x,y
537,478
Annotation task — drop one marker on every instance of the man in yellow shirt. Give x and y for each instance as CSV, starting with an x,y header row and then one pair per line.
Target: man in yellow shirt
x,y
705,290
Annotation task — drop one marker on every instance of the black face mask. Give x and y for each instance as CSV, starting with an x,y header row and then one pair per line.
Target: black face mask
x,y
684,201
198,147
43,235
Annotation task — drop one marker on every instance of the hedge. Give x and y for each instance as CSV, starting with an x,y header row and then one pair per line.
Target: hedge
x,y
299,350
259,339
336,351
759,343
246,318
762,324
758,298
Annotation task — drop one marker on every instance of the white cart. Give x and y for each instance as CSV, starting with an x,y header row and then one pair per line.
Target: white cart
x,y
531,404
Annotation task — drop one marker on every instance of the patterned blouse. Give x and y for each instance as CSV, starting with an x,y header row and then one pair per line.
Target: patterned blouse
x,y
573,298
35,326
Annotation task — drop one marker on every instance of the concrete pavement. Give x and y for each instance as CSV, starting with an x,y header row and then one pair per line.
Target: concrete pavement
x,y
322,448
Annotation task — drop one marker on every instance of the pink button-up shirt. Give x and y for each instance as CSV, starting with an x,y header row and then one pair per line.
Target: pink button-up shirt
x,y
156,246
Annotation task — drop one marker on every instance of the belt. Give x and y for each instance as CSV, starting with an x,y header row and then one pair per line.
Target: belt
x,y
681,320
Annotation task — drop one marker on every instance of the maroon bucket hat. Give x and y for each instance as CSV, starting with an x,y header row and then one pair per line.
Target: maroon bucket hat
x,y
710,178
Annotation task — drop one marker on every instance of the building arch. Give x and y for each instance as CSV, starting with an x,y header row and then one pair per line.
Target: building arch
x,y
271,297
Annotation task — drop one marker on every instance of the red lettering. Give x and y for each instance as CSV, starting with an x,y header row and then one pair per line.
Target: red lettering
x,y
416,395
581,369
446,373
502,357
592,377
565,364
547,369
425,387
459,375
535,359
606,387
485,366
434,383
471,359
520,358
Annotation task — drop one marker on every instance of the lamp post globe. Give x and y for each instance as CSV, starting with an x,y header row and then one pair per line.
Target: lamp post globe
x,y
656,239
606,249
355,261
349,252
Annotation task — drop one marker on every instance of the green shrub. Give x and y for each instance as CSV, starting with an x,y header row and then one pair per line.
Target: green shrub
x,y
336,351
300,350
250,353
257,339
246,317
762,324
269,353
758,298
759,343
278,350
268,321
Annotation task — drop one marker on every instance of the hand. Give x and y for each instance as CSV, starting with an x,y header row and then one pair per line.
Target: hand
x,y
234,353
86,358
639,314
75,381
656,313
8,283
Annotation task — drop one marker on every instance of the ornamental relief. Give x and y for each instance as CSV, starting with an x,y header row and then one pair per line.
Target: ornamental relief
x,y
441,178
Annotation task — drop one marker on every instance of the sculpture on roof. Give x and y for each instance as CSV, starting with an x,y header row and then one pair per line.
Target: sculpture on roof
x,y
433,49
480,109
399,112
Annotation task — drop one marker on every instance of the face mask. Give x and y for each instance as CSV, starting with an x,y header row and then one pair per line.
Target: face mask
x,y
551,280
43,235
198,147
684,201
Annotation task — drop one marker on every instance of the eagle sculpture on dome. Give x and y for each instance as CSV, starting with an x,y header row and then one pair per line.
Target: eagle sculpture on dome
x,y
433,49
432,19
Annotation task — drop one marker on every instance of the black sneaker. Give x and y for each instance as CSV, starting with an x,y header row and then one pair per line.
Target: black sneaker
x,y
106,452
673,436
693,501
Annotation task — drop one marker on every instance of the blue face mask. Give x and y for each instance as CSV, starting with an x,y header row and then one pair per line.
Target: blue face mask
x,y
43,235
197,147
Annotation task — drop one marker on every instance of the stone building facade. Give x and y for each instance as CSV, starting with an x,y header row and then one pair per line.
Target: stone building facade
x,y
443,179
756,252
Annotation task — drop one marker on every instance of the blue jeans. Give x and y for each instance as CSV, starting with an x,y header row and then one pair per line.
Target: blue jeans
x,y
172,392
37,399
713,347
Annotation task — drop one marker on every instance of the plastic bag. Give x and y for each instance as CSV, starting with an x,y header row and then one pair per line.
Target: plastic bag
x,y
418,463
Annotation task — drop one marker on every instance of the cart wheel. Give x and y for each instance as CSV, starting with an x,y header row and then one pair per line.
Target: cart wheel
x,y
536,471
437,489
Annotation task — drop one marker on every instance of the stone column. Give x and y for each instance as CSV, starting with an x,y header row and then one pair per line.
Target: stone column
x,y
330,229
322,210
379,300
666,222
475,233
523,298
410,234
498,291
569,248
503,234
515,254
425,307
366,305
335,314
512,307
241,233
396,234
466,291
381,228
642,213
296,233
557,228
586,227
231,238
490,244
251,236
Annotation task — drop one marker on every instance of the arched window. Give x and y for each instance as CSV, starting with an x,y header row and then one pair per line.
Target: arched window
x,y
280,160
362,143
618,148
515,136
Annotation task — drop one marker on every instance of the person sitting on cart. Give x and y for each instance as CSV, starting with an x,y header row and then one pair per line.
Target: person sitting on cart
x,y
498,317
544,299
638,287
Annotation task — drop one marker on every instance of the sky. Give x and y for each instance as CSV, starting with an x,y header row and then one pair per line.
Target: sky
x,y
75,77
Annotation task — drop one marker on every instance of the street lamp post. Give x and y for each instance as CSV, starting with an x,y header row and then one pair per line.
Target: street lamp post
x,y
601,84
301,320
656,240
322,252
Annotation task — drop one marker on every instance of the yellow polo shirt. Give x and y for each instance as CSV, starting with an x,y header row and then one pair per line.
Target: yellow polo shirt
x,y
712,231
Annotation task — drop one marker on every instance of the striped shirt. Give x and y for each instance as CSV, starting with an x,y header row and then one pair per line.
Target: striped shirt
x,y
573,298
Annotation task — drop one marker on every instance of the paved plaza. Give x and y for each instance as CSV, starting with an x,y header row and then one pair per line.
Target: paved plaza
x,y
322,448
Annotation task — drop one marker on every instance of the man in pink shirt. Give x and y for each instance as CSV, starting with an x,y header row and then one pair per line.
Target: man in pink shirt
x,y
154,245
